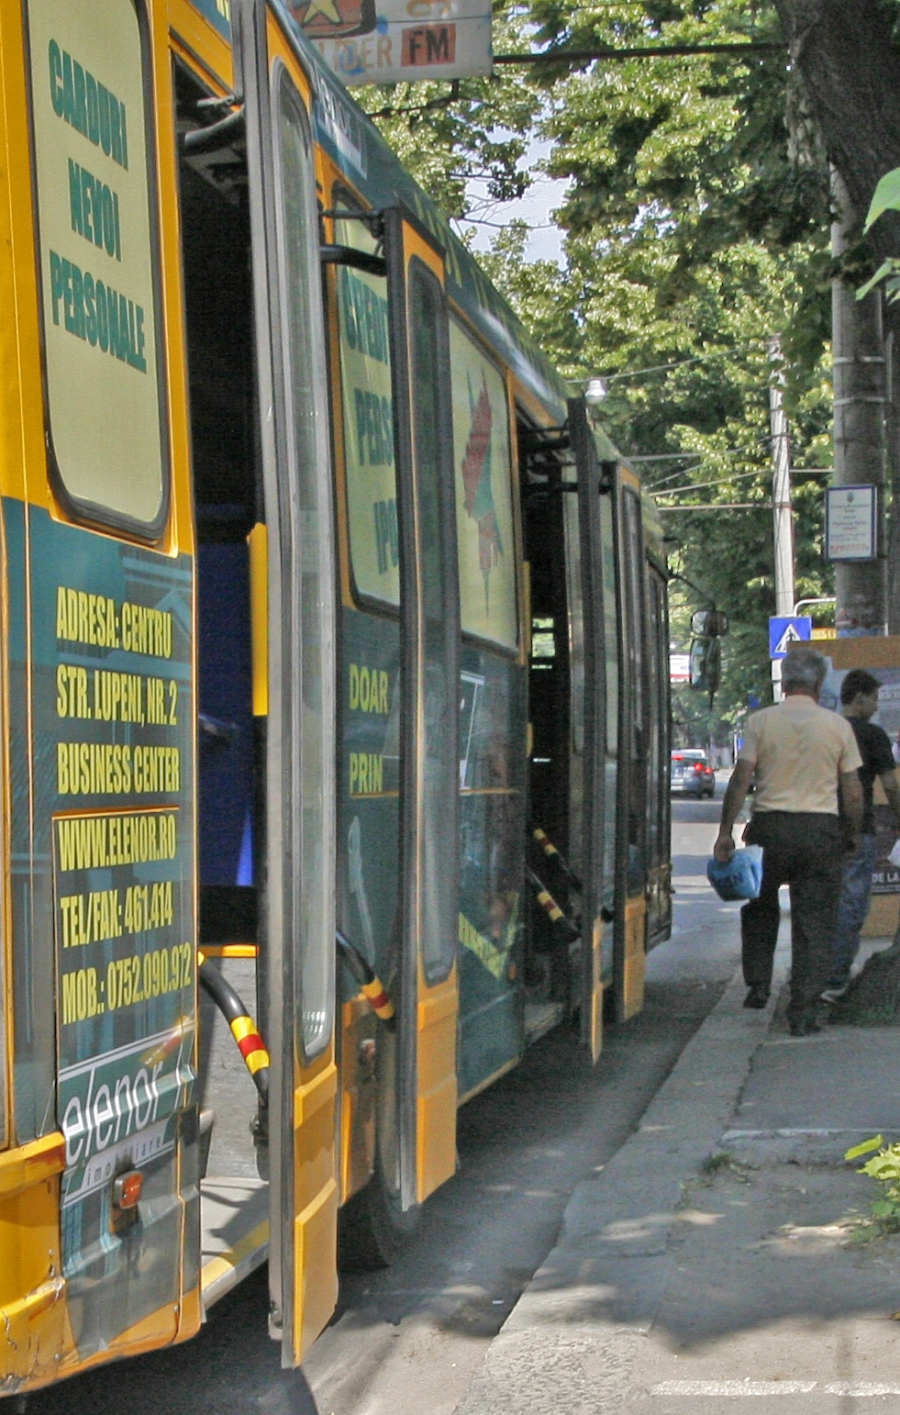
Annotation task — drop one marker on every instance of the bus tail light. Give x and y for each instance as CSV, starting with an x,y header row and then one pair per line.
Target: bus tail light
x,y
126,1194
127,1189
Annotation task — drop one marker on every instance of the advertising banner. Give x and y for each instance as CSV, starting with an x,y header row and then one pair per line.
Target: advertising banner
x,y
97,254
483,481
109,661
381,41
369,432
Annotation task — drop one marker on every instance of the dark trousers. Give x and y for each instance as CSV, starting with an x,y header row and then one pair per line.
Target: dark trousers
x,y
804,851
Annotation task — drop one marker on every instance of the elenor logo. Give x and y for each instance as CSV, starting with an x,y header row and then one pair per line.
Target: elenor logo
x,y
479,493
117,1105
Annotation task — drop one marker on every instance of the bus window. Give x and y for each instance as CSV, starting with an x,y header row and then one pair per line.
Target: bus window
x,y
298,244
99,263
657,757
636,665
368,419
483,485
439,767
659,909
611,647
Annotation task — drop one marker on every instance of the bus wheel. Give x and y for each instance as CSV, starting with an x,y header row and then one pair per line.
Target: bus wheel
x,y
372,1226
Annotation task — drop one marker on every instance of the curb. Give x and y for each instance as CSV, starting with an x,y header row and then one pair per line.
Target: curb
x,y
577,1326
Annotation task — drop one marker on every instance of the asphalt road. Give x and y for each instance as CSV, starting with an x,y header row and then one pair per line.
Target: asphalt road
x,y
406,1341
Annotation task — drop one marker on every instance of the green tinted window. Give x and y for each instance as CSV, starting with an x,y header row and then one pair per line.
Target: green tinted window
x,y
438,686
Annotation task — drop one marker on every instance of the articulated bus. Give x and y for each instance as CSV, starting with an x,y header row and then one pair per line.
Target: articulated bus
x,y
333,657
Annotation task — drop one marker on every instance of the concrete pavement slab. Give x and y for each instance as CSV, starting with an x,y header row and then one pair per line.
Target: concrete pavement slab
x,y
714,1262
605,1279
813,1109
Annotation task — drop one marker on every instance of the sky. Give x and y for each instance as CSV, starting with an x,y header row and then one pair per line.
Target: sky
x,y
535,207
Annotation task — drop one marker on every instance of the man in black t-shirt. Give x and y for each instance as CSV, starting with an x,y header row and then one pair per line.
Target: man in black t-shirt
x,y
859,698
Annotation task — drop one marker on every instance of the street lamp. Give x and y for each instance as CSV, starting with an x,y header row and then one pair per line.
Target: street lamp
x,y
596,390
597,386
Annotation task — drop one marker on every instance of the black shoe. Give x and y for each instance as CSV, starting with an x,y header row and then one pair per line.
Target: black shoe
x,y
804,1029
834,992
757,996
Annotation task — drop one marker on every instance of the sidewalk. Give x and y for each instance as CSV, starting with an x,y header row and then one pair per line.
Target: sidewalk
x,y
709,1265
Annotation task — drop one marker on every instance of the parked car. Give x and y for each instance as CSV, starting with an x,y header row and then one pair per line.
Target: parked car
x,y
691,773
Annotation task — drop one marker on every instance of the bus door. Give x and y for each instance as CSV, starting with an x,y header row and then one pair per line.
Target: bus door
x,y
591,710
295,674
634,751
429,758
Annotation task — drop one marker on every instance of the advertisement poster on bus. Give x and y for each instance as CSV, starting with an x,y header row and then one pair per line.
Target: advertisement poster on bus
x,y
368,428
98,252
483,483
382,41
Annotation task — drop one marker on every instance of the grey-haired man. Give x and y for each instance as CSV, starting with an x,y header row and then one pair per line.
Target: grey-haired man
x,y
802,757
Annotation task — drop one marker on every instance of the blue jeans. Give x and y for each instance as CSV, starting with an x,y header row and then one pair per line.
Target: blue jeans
x,y
854,905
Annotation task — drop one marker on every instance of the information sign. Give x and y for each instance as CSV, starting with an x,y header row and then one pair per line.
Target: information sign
x,y
785,630
850,523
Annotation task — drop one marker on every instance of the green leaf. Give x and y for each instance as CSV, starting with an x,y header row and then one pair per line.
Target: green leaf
x,y
886,198
883,1208
865,1148
882,1167
884,269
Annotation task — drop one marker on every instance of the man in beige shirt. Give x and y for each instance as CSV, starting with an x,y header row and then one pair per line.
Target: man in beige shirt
x,y
803,758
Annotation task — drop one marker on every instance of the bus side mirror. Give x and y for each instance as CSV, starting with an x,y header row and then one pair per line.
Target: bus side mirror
x,y
705,664
709,623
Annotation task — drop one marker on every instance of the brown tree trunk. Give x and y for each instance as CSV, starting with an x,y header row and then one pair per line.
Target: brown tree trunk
x,y
850,66
851,71
892,429
857,342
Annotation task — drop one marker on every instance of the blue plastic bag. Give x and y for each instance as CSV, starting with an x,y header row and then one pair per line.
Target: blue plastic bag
x,y
741,877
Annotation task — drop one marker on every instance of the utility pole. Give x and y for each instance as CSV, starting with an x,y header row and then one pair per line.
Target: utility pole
x,y
781,486
859,426
782,515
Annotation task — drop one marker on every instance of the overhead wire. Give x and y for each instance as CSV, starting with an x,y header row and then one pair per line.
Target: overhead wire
x,y
720,481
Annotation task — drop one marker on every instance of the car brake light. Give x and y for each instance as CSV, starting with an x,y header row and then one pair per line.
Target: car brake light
x,y
678,759
698,766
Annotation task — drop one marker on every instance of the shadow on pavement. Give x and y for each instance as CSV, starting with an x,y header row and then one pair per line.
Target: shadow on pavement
x,y
235,1372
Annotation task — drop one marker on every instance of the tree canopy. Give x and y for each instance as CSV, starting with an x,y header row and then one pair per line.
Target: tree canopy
x,y
696,222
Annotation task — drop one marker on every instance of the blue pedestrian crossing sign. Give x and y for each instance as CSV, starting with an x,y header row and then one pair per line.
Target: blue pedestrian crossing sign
x,y
786,630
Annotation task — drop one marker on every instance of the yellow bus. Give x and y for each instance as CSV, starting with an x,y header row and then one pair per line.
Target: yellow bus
x,y
327,614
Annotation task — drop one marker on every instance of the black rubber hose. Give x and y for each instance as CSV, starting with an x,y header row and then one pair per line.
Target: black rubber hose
x,y
243,1028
